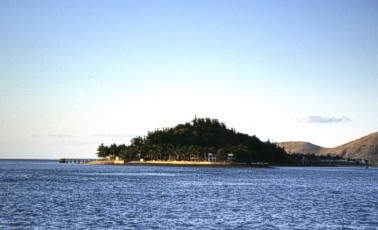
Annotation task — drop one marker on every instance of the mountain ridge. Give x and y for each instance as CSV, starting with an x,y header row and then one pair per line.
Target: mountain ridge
x,y
365,147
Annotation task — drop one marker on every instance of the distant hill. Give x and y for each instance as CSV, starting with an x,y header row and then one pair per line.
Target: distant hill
x,y
363,148
299,147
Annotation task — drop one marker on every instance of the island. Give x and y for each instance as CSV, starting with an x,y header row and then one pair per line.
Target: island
x,y
201,142
207,142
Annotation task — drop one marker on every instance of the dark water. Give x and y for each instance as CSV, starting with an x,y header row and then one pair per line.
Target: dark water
x,y
48,195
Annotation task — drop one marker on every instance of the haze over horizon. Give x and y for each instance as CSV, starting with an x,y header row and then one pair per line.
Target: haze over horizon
x,y
75,74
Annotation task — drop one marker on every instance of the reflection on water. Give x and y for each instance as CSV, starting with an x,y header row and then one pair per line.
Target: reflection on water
x,y
50,195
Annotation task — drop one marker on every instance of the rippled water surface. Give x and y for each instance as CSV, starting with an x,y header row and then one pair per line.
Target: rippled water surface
x,y
49,195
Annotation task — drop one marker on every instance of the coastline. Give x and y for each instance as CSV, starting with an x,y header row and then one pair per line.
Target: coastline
x,y
210,164
180,164
105,162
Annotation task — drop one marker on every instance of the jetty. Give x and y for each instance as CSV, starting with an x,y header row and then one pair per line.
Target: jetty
x,y
76,160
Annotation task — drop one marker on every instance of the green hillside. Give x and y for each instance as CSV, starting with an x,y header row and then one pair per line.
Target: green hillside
x,y
194,141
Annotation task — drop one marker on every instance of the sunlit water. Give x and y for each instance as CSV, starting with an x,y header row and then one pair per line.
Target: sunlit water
x,y
49,195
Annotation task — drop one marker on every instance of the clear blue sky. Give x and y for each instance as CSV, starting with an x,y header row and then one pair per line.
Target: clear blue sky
x,y
75,74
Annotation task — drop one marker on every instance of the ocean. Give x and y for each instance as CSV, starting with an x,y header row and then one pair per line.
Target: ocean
x,y
38,194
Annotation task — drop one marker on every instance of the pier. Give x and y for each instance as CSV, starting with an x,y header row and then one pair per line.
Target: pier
x,y
76,160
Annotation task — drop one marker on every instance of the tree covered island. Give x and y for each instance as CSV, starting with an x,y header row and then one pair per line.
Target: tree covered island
x,y
202,139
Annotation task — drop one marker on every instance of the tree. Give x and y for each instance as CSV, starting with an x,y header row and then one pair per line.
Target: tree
x,y
221,154
102,151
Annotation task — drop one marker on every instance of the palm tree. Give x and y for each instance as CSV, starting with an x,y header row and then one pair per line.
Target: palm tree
x,y
102,151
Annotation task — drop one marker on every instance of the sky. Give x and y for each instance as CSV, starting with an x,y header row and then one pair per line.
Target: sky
x,y
75,74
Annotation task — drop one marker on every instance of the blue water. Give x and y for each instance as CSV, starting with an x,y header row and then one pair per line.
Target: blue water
x,y
49,195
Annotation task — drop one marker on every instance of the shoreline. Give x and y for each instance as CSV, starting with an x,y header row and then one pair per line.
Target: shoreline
x,y
180,164
209,164
198,164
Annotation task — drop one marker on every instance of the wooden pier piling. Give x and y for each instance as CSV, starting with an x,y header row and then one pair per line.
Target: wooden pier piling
x,y
75,160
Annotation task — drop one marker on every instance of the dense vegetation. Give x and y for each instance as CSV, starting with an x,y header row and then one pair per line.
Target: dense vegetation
x,y
194,141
